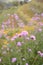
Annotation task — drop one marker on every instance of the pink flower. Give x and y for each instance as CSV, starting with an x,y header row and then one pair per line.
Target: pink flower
x,y
35,18
33,37
42,14
40,30
14,37
14,60
24,33
16,16
0,59
27,64
40,23
19,44
41,54
3,26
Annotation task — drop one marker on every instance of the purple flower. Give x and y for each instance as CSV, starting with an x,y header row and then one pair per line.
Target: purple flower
x,y
14,60
19,44
33,37
16,16
27,64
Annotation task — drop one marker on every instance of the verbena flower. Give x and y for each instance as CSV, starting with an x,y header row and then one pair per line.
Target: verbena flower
x,y
41,54
13,60
14,37
16,16
40,30
33,37
19,44
3,27
0,59
41,23
35,18
42,14
27,64
24,33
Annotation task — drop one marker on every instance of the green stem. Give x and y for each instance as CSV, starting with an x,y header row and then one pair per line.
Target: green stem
x,y
35,59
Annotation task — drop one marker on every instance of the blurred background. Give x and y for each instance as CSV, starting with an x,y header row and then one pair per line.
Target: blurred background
x,y
5,4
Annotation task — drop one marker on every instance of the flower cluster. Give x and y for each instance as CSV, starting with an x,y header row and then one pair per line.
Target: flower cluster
x,y
20,40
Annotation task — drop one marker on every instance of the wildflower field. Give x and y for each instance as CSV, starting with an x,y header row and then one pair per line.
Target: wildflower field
x,y
21,35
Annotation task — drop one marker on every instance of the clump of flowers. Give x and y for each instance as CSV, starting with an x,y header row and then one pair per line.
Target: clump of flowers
x,y
16,45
